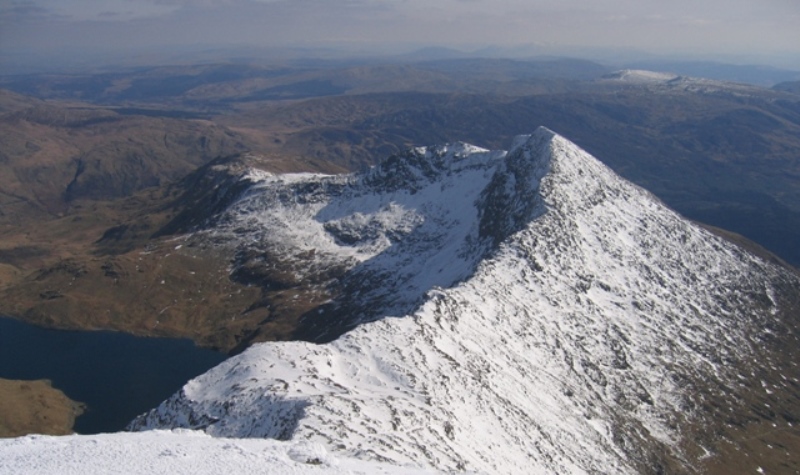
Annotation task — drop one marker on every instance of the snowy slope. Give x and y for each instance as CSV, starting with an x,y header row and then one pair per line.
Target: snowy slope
x,y
176,453
657,81
554,318
408,225
641,76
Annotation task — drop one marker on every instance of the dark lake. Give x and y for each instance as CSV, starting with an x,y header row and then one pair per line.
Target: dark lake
x,y
118,376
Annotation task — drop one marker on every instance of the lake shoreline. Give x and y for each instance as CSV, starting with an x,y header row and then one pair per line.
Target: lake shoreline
x,y
36,407
115,375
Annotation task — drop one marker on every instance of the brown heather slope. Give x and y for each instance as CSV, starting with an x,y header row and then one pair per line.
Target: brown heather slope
x,y
73,256
82,190
60,163
55,153
127,265
52,155
28,407
759,432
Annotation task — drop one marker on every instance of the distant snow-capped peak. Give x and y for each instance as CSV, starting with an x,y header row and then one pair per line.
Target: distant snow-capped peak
x,y
660,81
641,76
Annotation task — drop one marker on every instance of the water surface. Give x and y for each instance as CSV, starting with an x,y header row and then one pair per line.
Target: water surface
x,y
118,376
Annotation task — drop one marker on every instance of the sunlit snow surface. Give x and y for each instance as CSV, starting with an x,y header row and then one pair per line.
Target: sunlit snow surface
x,y
410,224
656,81
581,311
642,76
178,452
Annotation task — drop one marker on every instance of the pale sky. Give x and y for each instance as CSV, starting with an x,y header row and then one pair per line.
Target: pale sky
x,y
730,27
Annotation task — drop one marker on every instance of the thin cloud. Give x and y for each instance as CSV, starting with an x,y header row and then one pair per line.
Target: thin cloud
x,y
26,11
712,26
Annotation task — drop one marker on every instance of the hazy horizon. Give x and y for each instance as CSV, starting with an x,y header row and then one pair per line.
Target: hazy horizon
x,y
58,33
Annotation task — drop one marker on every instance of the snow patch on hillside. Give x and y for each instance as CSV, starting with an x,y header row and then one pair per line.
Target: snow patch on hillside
x,y
657,81
641,76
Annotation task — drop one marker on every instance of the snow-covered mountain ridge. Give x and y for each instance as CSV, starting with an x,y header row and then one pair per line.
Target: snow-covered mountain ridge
x,y
373,244
554,318
657,81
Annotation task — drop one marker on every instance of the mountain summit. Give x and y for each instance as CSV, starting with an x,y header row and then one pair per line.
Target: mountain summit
x,y
551,318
